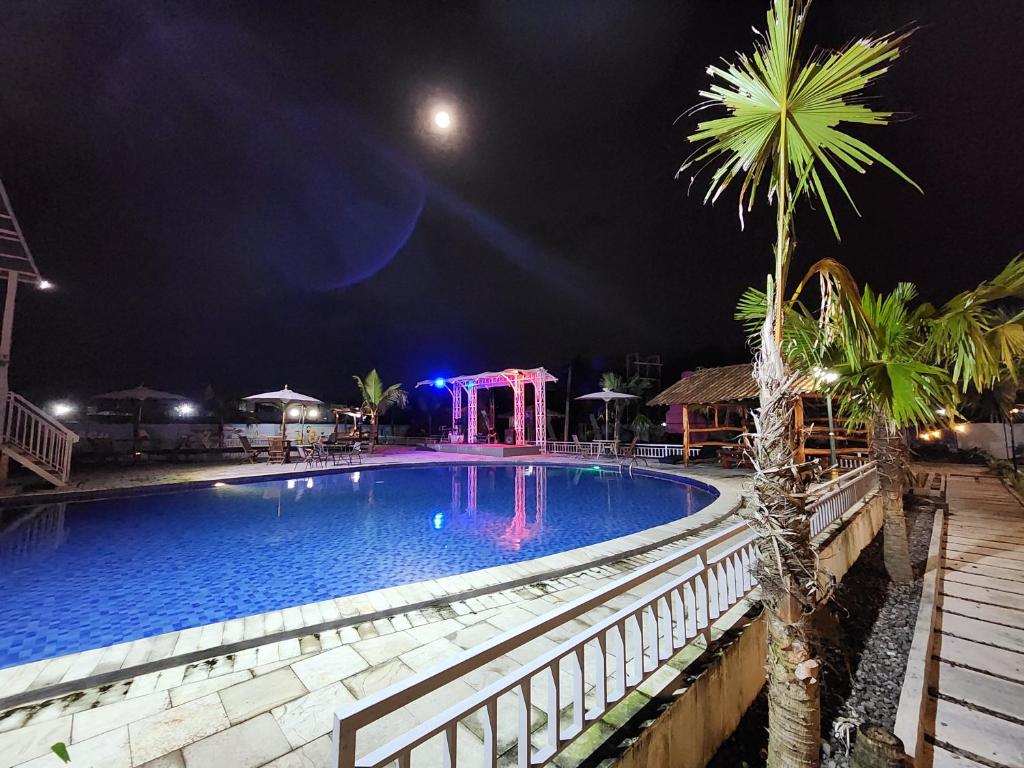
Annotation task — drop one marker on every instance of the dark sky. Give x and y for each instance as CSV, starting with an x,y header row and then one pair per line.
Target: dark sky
x,y
243,193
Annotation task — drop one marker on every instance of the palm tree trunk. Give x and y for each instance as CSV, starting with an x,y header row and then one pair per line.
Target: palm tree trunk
x,y
373,427
887,451
786,566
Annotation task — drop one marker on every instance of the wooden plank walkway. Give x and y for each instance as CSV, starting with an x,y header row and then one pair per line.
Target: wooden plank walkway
x,y
975,712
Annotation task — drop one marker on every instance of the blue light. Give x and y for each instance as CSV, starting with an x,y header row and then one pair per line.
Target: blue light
x,y
439,382
438,521
470,384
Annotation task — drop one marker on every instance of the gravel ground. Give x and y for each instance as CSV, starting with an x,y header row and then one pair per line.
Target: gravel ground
x,y
866,636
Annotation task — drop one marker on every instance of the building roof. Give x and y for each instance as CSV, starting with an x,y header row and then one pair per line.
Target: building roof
x,y
728,384
490,379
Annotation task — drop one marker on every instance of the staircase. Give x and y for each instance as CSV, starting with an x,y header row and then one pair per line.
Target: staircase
x,y
36,440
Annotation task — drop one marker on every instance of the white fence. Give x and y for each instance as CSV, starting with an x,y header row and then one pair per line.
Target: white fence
x,y
593,448
580,680
602,664
838,496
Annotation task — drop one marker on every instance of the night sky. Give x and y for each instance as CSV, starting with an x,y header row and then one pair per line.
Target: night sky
x,y
244,195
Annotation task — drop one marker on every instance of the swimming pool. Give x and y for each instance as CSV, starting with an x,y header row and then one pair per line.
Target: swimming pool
x,y
93,573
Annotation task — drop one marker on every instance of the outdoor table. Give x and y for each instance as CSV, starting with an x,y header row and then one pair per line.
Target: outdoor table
x,y
607,447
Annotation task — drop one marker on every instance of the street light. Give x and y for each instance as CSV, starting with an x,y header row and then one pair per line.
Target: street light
x,y
60,410
45,285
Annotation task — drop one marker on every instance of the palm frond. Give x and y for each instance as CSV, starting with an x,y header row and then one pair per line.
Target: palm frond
x,y
770,90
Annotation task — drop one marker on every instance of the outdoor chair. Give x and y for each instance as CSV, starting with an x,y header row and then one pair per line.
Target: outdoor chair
x,y
250,453
583,451
277,452
313,454
355,453
630,453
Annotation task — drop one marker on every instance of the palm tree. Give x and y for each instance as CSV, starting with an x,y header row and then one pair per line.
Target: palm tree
x,y
781,126
377,398
892,366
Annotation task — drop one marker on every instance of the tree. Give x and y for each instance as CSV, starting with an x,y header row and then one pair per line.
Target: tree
x,y
781,127
892,366
378,399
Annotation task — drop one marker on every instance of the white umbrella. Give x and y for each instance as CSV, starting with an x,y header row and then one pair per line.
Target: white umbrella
x,y
607,395
139,394
284,398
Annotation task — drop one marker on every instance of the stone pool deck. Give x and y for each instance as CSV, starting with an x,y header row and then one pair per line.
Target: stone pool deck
x,y
261,691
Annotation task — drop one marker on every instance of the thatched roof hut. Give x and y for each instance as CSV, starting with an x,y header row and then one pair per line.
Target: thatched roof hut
x,y
724,397
727,384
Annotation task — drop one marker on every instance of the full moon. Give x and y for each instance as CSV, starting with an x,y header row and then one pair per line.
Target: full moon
x,y
442,119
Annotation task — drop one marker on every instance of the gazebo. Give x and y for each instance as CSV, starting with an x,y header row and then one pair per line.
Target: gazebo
x,y
516,379
724,397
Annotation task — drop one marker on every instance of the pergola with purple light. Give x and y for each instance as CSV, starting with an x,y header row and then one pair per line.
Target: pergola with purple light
x,y
516,379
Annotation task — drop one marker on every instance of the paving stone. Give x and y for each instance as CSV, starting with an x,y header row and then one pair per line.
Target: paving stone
x,y
248,745
312,715
173,728
379,649
316,754
377,678
431,654
186,693
329,667
33,740
91,722
171,760
107,750
261,694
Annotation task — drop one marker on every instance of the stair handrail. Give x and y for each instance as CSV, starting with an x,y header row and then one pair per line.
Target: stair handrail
x,y
52,444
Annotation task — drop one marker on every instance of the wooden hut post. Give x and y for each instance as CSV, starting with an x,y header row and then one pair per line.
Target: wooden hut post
x,y
686,435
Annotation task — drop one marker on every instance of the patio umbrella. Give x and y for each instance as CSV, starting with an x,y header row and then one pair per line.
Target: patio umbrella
x,y
284,398
607,395
138,394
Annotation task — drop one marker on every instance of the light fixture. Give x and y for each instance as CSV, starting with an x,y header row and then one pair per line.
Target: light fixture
x,y
60,410
291,484
309,482
312,413
45,285
960,427
295,412
439,382
219,484
926,436
438,521
185,409
443,119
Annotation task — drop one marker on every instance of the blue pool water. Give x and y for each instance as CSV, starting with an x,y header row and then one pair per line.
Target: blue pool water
x,y
89,574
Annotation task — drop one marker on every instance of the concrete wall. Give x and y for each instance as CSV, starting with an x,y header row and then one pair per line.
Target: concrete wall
x,y
704,715
990,437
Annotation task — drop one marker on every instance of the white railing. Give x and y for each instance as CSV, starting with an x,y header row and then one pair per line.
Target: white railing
x,y
852,461
836,498
581,679
643,450
38,437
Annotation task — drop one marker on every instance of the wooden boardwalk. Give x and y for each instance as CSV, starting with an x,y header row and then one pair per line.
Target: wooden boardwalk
x,y
975,711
